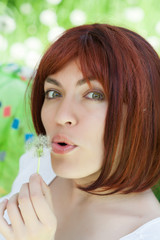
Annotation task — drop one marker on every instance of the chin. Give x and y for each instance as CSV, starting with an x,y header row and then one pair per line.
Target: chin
x,y
69,169
79,178
64,173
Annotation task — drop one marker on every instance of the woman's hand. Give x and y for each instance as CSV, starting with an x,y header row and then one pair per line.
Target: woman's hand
x,y
30,212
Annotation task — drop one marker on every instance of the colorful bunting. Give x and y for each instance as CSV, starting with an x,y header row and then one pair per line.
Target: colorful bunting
x,y
28,136
23,78
7,111
2,156
15,123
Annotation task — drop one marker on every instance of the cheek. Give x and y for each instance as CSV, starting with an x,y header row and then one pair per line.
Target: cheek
x,y
48,118
44,116
93,129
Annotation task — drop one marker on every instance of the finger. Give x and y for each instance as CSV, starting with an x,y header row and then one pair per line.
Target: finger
x,y
5,228
47,193
14,214
26,207
39,201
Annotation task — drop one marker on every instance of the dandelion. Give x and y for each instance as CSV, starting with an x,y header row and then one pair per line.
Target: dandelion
x,y
37,145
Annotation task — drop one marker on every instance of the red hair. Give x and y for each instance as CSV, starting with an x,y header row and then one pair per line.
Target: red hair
x,y
129,70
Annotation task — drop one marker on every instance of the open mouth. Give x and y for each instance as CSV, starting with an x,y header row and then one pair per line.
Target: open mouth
x,y
62,143
62,147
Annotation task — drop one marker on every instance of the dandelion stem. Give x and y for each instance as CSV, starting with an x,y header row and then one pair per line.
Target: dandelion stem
x,y
37,146
38,167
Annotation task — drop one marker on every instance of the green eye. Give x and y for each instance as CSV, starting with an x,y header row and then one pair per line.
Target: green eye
x,y
96,96
51,94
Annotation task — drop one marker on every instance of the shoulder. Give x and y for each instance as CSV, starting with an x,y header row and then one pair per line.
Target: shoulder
x,y
148,225
150,230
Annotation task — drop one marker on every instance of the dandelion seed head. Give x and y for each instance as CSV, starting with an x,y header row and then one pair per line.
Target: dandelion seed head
x,y
37,145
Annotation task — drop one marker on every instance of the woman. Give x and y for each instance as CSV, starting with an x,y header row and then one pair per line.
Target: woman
x,y
96,94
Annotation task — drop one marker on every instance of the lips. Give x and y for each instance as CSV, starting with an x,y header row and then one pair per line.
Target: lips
x,y
61,144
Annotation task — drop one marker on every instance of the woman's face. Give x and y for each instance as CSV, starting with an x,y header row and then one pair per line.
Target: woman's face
x,y
74,113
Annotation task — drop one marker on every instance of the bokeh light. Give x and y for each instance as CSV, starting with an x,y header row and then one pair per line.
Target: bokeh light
x,y
54,33
134,14
33,25
18,51
48,17
26,8
77,17
7,24
158,27
3,43
33,43
54,2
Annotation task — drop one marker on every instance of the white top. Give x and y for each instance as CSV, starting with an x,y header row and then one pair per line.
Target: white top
x,y
148,231
28,166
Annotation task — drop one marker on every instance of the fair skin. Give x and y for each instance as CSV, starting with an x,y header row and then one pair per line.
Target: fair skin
x,y
61,210
74,111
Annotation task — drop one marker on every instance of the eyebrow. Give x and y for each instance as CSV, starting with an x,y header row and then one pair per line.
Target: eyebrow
x,y
79,82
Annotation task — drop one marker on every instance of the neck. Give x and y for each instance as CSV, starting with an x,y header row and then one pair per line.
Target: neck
x,y
78,197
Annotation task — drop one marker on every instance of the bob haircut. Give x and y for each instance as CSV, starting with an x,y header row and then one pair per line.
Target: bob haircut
x,y
129,70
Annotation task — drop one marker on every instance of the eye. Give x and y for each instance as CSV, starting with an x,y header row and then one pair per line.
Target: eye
x,y
95,95
51,94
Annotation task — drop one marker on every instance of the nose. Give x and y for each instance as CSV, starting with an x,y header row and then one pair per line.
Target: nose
x,y
66,113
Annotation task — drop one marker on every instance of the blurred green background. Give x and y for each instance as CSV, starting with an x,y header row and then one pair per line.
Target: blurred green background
x,y
26,29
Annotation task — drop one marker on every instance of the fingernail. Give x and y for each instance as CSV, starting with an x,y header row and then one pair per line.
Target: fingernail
x,y
35,174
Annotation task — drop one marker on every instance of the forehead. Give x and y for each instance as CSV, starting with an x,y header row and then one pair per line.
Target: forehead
x,y
79,82
71,72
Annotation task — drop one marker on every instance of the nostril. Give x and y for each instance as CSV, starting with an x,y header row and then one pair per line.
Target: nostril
x,y
69,123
